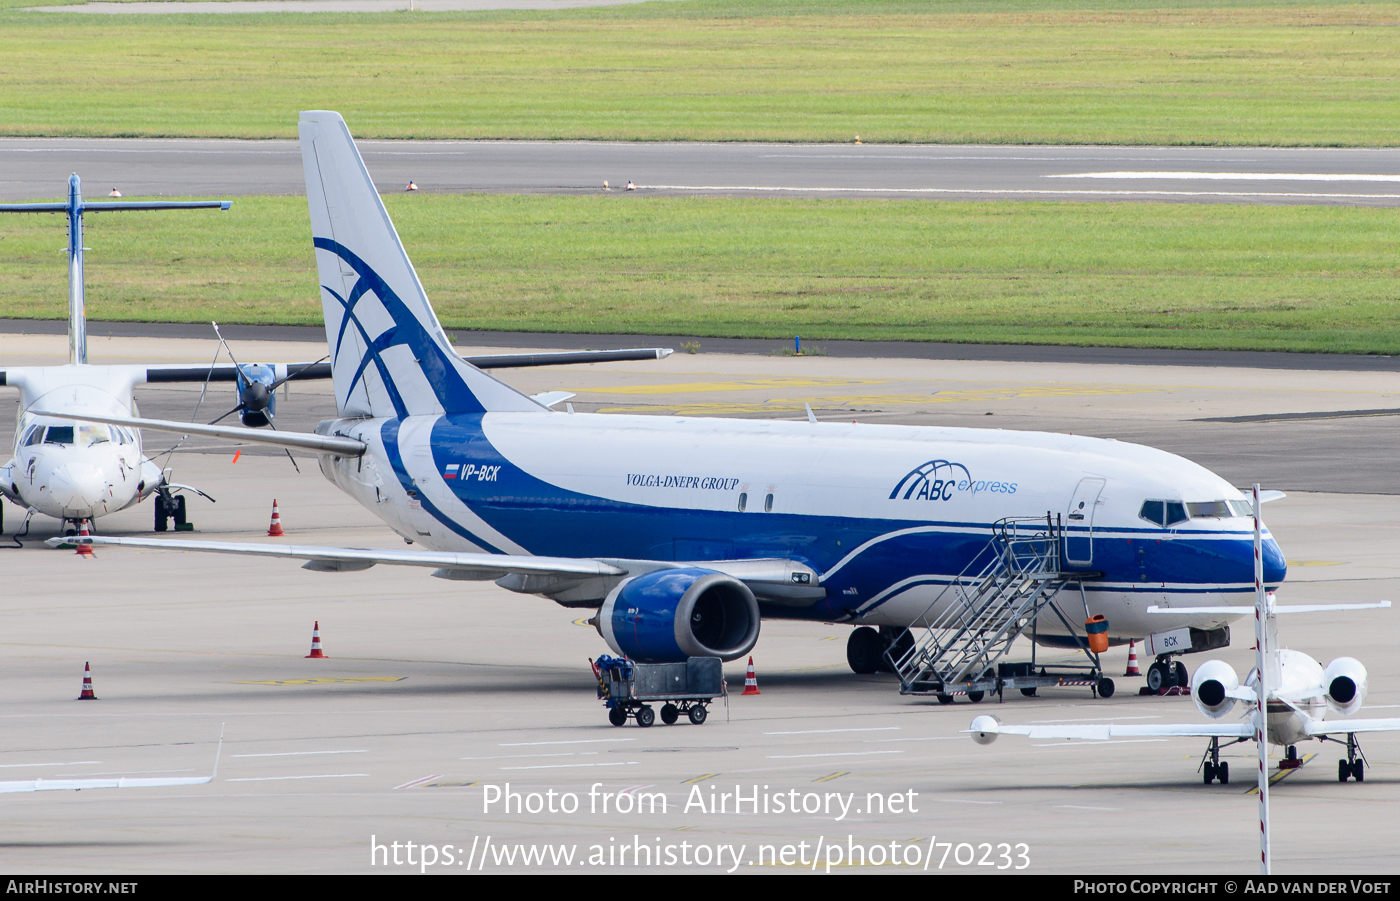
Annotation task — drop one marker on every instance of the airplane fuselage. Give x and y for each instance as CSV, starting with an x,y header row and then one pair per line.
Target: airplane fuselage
x,y
888,515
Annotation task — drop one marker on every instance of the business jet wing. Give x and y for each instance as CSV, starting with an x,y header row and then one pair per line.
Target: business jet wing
x,y
1339,727
482,566
986,728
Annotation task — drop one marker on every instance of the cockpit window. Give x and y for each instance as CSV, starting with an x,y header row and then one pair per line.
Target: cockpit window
x,y
1219,509
1163,513
33,436
89,435
59,434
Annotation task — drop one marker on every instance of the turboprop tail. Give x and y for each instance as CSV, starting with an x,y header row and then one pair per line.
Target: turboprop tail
x,y
389,355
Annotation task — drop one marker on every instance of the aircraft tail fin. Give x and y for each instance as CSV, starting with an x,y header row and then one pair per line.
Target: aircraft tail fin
x,y
389,355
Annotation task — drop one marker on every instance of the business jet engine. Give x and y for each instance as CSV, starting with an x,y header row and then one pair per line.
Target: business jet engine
x,y
1344,681
1210,687
667,615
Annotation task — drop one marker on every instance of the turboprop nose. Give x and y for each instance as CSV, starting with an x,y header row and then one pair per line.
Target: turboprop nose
x,y
80,489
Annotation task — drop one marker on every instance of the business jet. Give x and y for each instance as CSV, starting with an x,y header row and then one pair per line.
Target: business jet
x,y
684,533
76,470
1288,692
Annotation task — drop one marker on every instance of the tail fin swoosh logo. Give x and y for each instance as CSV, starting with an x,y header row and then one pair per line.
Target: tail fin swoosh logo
x,y
441,373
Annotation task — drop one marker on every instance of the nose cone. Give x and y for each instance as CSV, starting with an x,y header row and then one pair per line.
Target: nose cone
x,y
80,489
1275,566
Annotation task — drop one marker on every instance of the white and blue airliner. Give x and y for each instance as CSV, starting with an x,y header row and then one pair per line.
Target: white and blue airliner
x,y
686,532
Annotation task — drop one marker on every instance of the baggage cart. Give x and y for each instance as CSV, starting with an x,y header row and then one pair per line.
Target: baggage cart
x,y
629,689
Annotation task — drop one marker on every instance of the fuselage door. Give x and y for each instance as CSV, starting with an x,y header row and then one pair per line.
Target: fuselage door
x,y
1079,522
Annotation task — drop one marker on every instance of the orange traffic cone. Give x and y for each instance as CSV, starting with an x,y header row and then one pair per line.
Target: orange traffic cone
x,y
751,682
316,651
1132,660
84,549
87,694
275,529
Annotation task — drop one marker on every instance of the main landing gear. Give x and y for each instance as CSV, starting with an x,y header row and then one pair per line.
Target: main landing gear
x,y
1213,769
1354,767
866,648
1168,674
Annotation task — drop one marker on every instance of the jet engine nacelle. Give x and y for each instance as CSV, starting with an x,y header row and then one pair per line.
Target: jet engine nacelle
x,y
1210,685
667,615
1344,681
985,729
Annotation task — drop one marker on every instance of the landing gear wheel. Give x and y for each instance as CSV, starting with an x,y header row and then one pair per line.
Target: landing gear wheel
x,y
976,696
863,649
697,714
645,716
945,699
1222,773
1105,687
1208,776
1290,752
1179,673
617,716
1157,675
1028,692
669,714
896,646
1358,771
162,515
1343,771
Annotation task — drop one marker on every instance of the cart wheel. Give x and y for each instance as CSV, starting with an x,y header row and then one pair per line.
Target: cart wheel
x,y
1105,687
976,696
669,714
945,699
617,716
645,716
698,714
1028,692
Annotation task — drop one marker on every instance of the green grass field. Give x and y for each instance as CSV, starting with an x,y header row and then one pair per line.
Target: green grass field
x,y
1150,275
1021,71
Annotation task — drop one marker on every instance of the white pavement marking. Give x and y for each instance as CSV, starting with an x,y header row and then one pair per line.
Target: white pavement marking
x,y
563,766
7,766
839,754
417,782
1230,176
824,731
284,778
1080,807
586,741
1002,192
298,753
326,6
524,756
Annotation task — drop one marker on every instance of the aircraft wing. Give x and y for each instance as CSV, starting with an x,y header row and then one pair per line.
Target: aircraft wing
x,y
1106,731
323,444
54,785
1339,727
484,566
304,371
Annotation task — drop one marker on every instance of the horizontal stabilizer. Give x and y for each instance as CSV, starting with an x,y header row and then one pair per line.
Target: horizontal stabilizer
x,y
322,444
1276,608
1106,731
54,785
349,559
1339,727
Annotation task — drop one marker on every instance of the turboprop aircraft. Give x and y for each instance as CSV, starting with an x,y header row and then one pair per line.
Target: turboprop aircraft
x,y
78,472
1288,693
685,532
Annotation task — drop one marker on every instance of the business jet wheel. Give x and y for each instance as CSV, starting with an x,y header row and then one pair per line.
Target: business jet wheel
x,y
1222,772
645,716
1208,775
945,699
864,648
1157,675
669,714
976,696
1183,678
1028,692
617,716
1343,771
698,713
1358,771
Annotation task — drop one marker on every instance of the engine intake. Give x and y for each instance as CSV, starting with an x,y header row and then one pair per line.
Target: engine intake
x,y
1210,687
669,615
1344,680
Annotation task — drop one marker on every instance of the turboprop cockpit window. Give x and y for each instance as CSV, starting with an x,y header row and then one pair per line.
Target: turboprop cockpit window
x,y
59,434
89,435
33,436
1163,513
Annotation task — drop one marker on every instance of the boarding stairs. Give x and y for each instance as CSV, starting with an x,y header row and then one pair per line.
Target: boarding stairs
x,y
975,619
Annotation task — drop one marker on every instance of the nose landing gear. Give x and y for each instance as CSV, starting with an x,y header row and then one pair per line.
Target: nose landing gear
x,y
168,506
